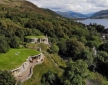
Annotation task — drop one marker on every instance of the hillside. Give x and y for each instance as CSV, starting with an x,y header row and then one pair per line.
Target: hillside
x,y
100,14
24,6
75,53
71,14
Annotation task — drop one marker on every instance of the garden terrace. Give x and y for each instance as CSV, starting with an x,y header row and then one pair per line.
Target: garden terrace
x,y
15,57
29,37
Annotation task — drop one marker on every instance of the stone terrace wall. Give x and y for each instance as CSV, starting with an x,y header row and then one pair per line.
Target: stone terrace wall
x,y
18,71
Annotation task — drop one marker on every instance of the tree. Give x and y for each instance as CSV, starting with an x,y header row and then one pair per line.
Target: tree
x,y
102,56
50,79
100,28
93,40
102,63
62,47
4,46
104,47
14,42
6,78
20,33
8,14
54,48
75,73
31,23
77,80
91,44
75,49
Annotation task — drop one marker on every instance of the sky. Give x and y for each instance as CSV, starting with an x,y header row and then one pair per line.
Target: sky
x,y
82,6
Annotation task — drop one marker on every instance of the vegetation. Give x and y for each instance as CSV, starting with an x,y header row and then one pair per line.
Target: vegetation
x,y
83,47
100,14
6,78
15,57
58,60
75,73
54,48
35,37
47,65
4,45
96,79
50,79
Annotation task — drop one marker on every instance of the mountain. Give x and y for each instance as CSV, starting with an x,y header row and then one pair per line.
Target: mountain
x,y
71,14
25,6
89,14
100,14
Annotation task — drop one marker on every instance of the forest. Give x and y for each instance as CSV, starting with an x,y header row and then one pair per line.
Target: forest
x,y
83,46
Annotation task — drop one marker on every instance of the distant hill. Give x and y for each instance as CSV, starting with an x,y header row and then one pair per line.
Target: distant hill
x,y
100,14
71,14
89,14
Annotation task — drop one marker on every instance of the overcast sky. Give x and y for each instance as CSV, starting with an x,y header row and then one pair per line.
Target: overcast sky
x,y
82,6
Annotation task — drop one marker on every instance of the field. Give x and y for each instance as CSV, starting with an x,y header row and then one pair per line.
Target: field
x,y
15,57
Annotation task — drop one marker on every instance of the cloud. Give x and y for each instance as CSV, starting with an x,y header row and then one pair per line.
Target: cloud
x,y
99,3
83,6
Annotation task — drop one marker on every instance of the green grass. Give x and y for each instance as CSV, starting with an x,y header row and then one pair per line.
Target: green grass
x,y
43,68
35,37
15,57
43,46
96,79
60,62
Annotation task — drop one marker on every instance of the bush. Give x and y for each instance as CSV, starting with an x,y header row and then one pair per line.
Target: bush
x,y
54,48
4,46
6,78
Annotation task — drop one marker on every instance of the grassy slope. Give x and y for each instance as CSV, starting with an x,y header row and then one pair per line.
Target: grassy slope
x,y
15,57
41,69
58,60
96,79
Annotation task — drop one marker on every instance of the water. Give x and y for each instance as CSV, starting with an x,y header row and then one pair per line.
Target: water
x,y
103,22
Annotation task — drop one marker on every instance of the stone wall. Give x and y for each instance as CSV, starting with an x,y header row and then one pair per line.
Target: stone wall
x,y
37,40
18,71
44,40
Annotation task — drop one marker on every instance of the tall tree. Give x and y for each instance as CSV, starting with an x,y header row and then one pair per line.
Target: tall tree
x,y
75,73
50,79
6,78
14,42
75,49
4,46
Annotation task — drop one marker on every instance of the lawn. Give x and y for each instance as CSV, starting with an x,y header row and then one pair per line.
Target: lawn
x,y
15,57
35,37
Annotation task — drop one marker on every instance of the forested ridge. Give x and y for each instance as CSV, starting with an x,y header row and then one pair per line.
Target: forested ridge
x,y
83,46
100,14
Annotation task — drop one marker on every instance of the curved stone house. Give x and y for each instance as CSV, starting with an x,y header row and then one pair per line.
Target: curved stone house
x,y
37,39
25,70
